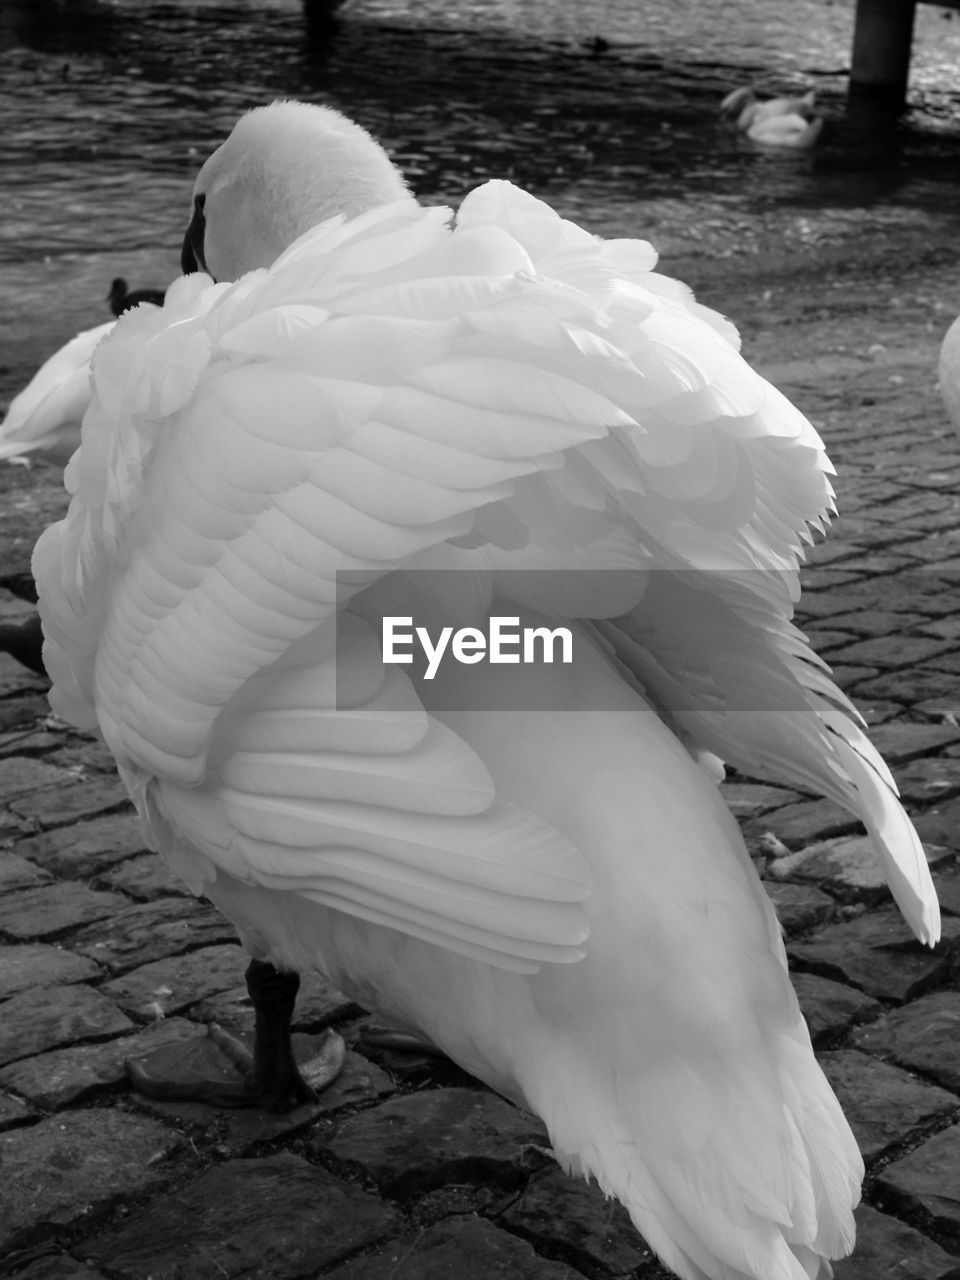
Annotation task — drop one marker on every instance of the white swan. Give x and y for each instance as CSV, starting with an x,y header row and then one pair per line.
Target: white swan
x,y
556,896
774,122
47,413
949,372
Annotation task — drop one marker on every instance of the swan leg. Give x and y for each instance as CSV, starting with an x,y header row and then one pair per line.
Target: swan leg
x,y
219,1070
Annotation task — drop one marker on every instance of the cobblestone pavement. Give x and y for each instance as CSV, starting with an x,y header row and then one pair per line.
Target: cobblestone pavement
x,y
406,1168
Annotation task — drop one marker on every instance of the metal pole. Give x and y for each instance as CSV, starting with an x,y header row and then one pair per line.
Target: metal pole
x,y
882,35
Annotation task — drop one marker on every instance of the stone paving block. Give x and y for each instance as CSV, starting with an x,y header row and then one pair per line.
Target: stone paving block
x,y
169,986
911,688
875,563
875,622
63,1076
52,909
464,1248
849,676
36,964
74,1166
85,755
557,1210
20,873
34,497
59,1267
147,932
85,848
928,778
823,639
803,823
878,953
22,775
927,1179
933,551
16,680
276,1217
849,863
46,1017
882,1103
27,741
923,1035
237,1131
890,652
413,1144
12,827
830,1008
949,662
878,710
888,1249
800,906
900,740
814,579
924,591
944,709
814,605
940,824
744,799
13,1112
948,891
145,878
54,807
943,628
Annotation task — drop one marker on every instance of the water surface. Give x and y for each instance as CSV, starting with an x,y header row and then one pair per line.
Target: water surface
x,y
608,108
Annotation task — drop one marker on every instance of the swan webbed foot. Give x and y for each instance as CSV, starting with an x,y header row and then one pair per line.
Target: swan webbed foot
x,y
374,1036
220,1070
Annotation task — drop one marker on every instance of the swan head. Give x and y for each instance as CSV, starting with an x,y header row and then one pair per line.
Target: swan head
x,y
283,169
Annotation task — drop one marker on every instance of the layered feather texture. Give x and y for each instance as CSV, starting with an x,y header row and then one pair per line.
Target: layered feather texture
x,y
558,896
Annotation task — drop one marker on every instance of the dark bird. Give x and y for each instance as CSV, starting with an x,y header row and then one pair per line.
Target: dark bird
x,y
121,298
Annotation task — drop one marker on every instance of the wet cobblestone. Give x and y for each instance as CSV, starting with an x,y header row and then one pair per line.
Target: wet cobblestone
x,y
405,1170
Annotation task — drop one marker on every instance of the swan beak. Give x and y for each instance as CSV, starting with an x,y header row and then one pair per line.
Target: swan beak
x,y
191,256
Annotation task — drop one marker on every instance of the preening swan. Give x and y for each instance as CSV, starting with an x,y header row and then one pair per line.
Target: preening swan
x,y
775,122
534,870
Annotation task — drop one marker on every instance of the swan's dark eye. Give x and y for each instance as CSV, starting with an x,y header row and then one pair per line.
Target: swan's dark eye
x,y
191,256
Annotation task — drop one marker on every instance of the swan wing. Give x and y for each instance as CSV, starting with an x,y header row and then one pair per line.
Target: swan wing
x,y
515,394
719,486
256,456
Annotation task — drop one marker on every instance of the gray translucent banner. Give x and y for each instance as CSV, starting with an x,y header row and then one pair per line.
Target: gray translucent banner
x,y
710,643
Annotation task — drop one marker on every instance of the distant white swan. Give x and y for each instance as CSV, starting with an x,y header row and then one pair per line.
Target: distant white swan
x,y
774,122
529,865
47,413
